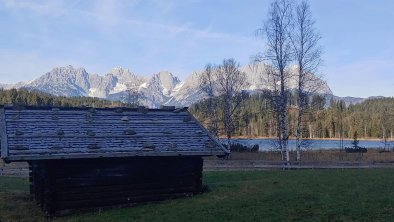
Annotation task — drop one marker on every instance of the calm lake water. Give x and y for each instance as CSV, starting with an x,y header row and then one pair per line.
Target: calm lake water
x,y
268,144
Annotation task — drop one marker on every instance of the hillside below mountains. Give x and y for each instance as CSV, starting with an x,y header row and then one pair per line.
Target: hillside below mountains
x,y
161,88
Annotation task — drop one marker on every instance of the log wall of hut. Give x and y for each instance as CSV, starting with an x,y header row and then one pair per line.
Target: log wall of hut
x,y
65,186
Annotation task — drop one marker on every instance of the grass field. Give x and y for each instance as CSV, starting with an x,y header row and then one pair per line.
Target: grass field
x,y
372,155
296,195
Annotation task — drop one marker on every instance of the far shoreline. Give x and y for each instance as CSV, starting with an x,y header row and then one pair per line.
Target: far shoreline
x,y
347,139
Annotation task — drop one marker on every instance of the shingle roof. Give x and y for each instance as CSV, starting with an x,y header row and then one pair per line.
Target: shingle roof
x,y
32,133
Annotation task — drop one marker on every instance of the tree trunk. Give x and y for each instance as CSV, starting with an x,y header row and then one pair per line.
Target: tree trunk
x,y
299,117
299,135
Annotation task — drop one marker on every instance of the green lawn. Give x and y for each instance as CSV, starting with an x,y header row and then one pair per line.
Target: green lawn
x,y
297,195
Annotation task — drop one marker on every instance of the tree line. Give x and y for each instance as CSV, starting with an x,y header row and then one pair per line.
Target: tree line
x,y
24,97
372,118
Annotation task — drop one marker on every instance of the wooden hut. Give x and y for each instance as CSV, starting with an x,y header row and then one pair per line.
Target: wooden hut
x,y
85,158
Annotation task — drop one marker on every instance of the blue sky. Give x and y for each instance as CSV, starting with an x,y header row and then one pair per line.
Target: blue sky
x,y
148,36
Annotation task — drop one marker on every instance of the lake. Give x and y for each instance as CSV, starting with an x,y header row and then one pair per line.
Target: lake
x,y
268,144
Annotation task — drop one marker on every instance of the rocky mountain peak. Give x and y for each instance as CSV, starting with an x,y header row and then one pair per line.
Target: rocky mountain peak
x,y
125,76
166,80
62,81
121,72
66,73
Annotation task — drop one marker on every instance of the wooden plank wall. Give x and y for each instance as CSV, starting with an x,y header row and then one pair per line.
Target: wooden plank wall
x,y
65,186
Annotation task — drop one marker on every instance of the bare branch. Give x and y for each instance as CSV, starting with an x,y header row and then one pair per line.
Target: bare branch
x,y
279,55
226,82
307,56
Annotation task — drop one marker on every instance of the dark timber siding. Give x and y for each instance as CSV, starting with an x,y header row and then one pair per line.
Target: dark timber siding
x,y
64,186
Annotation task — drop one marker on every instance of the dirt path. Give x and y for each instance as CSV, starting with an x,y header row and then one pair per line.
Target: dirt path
x,y
226,165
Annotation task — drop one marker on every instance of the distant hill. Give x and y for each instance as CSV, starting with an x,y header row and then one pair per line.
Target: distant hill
x,y
349,100
355,100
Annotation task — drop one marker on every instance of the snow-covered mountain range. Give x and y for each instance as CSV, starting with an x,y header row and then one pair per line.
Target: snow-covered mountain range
x,y
162,88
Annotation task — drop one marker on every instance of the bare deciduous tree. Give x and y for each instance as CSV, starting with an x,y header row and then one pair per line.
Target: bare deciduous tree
x,y
291,40
307,56
226,82
278,54
207,83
